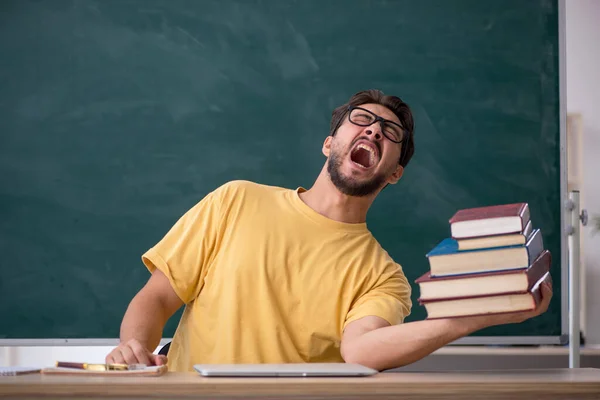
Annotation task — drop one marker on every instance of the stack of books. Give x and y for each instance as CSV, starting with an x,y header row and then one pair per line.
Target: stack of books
x,y
493,263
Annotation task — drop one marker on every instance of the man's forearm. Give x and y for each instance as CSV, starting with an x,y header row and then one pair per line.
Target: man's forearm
x,y
144,320
399,345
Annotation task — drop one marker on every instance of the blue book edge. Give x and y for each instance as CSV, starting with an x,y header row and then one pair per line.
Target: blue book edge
x,y
450,246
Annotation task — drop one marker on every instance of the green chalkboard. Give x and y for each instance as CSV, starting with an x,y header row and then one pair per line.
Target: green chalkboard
x,y
116,116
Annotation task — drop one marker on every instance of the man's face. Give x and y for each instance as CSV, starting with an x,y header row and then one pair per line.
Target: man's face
x,y
361,160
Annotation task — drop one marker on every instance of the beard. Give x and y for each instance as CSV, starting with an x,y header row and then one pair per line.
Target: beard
x,y
348,185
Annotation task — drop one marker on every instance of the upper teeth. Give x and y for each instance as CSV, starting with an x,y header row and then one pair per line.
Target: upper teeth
x,y
370,150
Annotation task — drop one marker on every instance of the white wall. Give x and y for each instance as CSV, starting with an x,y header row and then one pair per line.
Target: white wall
x,y
583,96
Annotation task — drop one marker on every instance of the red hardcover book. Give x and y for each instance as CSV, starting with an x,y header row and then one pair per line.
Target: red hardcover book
x,y
485,283
484,305
489,221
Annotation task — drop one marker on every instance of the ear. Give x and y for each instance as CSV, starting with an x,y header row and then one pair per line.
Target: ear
x,y
395,177
327,146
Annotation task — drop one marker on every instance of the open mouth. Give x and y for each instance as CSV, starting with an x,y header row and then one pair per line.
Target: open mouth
x,y
363,155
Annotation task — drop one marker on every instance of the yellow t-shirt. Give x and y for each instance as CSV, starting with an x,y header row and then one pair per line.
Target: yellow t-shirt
x,y
266,279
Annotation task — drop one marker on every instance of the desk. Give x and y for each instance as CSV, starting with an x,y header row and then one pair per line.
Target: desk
x,y
515,384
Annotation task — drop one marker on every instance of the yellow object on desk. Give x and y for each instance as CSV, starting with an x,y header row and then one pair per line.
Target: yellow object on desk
x,y
100,367
89,369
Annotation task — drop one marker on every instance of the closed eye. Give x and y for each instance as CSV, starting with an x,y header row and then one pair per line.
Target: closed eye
x,y
393,132
362,118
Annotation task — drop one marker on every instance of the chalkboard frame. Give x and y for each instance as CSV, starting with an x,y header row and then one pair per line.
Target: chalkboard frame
x,y
562,339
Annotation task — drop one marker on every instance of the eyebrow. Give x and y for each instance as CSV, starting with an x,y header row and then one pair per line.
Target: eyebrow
x,y
384,117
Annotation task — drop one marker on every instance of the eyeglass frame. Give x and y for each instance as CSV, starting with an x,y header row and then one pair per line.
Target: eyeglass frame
x,y
381,121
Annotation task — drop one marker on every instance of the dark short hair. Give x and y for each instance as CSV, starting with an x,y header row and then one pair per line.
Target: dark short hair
x,y
394,104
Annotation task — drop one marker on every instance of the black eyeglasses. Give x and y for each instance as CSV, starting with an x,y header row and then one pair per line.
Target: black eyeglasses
x,y
390,129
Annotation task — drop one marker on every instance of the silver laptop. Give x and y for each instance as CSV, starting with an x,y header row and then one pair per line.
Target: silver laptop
x,y
278,370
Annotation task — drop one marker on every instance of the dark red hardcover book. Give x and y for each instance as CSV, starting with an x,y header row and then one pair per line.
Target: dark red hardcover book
x,y
490,220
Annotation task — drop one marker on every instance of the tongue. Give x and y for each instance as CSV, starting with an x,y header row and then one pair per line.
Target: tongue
x,y
362,157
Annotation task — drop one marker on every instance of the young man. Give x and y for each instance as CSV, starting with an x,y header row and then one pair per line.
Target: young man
x,y
270,275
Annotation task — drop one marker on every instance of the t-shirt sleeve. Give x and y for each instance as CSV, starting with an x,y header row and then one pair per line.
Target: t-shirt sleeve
x,y
388,298
184,253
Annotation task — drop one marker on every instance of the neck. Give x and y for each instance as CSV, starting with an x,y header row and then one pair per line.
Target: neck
x,y
326,199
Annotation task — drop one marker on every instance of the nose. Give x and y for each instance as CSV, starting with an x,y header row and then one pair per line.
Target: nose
x,y
375,131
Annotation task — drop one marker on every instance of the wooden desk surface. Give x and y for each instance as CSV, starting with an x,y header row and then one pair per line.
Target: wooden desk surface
x,y
511,384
